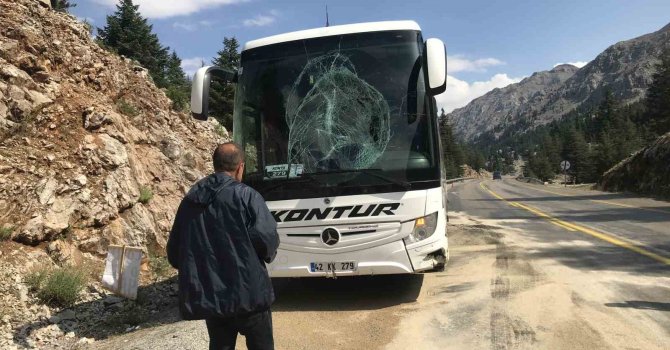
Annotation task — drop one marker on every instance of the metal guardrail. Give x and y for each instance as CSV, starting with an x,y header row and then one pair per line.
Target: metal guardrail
x,y
458,179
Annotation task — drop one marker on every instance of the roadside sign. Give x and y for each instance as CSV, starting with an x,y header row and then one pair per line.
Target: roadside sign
x,y
565,165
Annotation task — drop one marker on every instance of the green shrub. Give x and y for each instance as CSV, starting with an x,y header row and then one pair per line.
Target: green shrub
x,y
6,232
126,108
60,286
35,279
160,266
180,96
145,195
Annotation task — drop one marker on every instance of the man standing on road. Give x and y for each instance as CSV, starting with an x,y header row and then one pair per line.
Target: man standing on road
x,y
222,236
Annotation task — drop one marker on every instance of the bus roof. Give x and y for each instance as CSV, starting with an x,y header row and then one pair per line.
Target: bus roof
x,y
333,30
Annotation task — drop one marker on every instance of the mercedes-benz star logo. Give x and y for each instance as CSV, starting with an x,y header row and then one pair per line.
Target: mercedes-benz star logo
x,y
330,236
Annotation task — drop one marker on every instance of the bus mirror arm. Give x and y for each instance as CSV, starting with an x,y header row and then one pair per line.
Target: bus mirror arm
x,y
202,80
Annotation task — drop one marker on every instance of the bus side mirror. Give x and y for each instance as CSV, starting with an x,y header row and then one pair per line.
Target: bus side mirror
x,y
200,88
436,62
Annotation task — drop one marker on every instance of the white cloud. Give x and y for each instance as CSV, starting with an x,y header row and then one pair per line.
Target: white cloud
x,y
189,27
259,21
192,26
166,9
578,64
459,93
459,63
190,65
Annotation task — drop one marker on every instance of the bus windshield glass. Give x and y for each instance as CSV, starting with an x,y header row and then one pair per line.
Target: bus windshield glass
x,y
320,117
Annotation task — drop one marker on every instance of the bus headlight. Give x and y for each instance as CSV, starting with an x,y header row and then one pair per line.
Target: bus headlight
x,y
424,227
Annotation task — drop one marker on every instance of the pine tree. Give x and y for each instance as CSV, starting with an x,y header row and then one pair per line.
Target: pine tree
x,y
178,85
658,97
453,153
130,35
579,155
222,95
607,113
62,5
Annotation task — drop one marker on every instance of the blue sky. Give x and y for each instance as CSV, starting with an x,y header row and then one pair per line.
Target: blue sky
x,y
490,43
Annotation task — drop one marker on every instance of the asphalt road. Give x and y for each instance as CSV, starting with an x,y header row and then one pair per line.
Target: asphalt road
x,y
532,267
627,233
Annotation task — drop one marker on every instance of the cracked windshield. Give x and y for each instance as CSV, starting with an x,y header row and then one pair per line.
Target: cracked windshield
x,y
334,175
347,105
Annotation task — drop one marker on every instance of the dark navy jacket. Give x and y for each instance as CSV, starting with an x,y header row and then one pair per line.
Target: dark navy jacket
x,y
222,236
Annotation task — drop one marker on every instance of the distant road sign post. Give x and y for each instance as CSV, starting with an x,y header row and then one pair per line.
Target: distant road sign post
x,y
565,165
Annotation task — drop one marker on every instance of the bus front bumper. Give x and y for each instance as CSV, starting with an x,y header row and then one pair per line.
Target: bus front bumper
x,y
390,258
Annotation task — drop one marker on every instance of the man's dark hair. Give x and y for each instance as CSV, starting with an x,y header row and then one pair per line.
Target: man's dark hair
x,y
227,157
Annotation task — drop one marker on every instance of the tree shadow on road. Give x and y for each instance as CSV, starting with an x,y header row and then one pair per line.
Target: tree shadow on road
x,y
642,214
644,305
602,257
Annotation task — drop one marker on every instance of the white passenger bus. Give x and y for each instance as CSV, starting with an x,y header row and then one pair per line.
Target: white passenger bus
x,y
339,128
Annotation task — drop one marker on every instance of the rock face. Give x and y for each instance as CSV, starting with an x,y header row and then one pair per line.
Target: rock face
x,y
509,104
625,68
72,165
646,172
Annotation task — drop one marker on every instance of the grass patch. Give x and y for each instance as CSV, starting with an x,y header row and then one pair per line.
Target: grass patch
x,y
58,286
161,268
145,195
126,108
35,279
6,233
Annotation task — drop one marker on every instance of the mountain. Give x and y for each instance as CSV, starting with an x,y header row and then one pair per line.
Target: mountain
x,y
505,106
624,68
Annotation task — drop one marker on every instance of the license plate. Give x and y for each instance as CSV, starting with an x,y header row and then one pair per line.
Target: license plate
x,y
332,266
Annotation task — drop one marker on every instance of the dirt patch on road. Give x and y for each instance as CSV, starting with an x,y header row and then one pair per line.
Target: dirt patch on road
x,y
465,235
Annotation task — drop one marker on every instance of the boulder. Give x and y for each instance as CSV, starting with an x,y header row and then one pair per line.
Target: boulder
x,y
57,218
170,148
141,222
63,252
112,153
94,120
32,232
121,190
46,190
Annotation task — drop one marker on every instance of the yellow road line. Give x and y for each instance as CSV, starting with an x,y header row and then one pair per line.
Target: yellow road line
x,y
607,237
600,200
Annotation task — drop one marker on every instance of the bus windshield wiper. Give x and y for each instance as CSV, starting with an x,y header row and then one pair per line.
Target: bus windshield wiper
x,y
370,172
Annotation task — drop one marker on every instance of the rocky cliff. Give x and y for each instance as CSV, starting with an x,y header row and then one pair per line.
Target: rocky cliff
x,y
624,68
646,172
91,154
84,133
508,105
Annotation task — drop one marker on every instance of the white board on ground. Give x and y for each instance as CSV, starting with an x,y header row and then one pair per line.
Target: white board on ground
x,y
122,270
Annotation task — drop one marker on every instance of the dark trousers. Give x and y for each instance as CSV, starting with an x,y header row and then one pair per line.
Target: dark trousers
x,y
257,328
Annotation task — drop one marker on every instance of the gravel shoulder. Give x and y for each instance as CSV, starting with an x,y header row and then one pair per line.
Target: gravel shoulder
x,y
495,294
